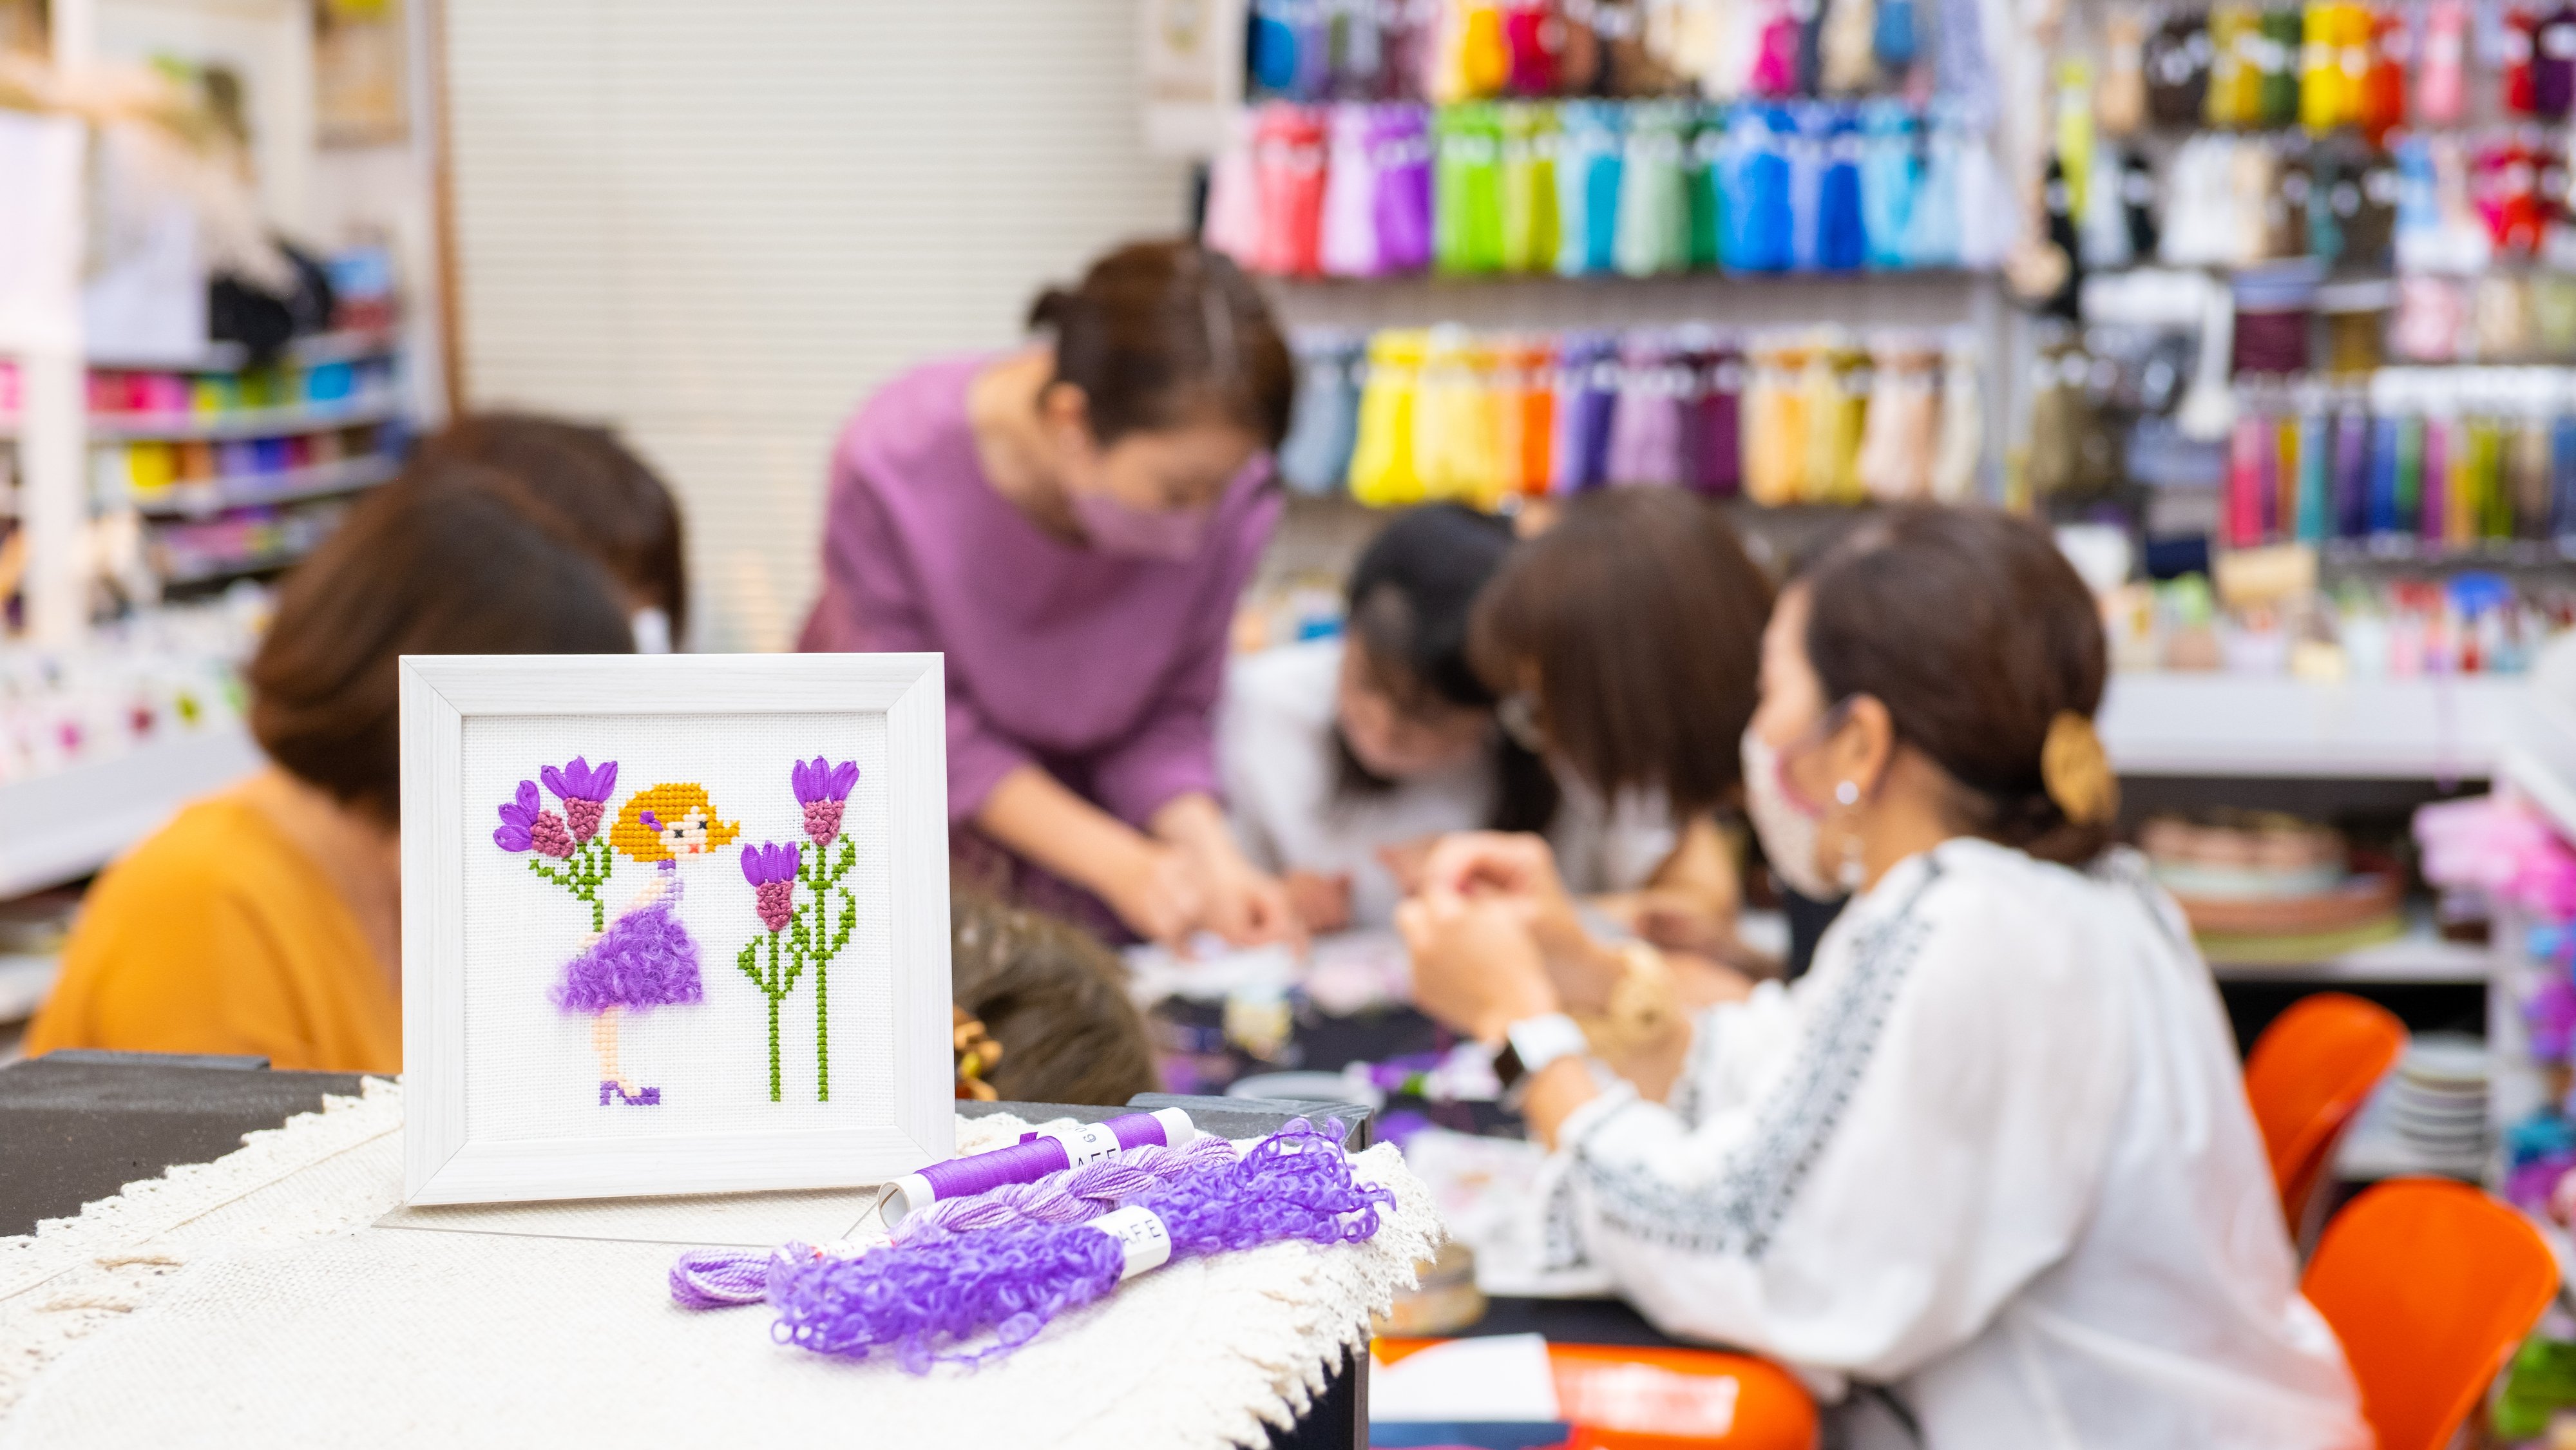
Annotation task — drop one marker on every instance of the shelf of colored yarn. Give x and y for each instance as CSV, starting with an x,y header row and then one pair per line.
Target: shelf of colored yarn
x,y
1417,414
1596,188
2501,315
324,479
1462,50
194,554
2446,456
269,422
2335,64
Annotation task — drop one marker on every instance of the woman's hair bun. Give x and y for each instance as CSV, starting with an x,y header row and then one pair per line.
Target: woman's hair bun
x,y
1052,307
1166,334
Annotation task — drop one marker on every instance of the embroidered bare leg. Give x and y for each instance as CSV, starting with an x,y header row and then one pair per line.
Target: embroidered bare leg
x,y
603,1040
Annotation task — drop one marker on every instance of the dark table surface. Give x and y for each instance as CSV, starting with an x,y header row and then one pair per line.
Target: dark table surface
x,y
77,1126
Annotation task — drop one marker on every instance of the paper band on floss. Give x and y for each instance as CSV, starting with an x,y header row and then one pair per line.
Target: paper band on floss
x,y
1036,1155
1083,1142
1144,1238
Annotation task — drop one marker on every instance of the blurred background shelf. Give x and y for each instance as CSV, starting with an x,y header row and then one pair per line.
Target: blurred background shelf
x,y
248,422
2420,955
325,480
231,357
2446,727
64,826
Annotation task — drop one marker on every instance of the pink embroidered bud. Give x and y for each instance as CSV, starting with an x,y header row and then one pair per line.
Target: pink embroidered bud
x,y
548,835
583,817
823,821
776,903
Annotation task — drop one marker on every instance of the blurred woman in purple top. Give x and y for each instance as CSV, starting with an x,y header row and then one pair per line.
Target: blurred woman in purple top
x,y
1071,523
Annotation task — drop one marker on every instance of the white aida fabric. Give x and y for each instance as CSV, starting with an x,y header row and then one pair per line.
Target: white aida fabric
x,y
533,1068
268,1310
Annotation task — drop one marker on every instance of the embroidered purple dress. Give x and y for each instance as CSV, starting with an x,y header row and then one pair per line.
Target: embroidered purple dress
x,y
645,959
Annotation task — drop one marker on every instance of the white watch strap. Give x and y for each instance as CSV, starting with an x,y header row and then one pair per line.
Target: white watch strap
x,y
1538,1041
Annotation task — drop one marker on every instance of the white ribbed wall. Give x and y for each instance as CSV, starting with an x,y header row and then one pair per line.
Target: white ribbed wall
x,y
717,225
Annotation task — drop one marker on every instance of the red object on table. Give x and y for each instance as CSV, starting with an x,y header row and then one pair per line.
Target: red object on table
x,y
1620,1397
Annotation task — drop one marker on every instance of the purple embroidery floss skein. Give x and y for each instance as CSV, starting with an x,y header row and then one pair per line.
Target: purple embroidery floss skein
x,y
725,1278
923,1302
1072,1196
1037,1154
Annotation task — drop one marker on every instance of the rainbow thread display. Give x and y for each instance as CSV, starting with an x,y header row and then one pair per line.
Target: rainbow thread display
x,y
2450,458
1597,188
1805,417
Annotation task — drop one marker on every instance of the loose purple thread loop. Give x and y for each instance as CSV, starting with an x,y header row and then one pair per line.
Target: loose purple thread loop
x,y
921,1301
719,1278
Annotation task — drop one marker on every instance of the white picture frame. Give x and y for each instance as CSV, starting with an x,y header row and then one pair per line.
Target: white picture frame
x,y
492,1054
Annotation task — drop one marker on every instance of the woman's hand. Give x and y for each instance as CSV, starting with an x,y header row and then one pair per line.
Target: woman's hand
x,y
1237,900
1244,905
1156,890
1476,968
1322,903
1518,872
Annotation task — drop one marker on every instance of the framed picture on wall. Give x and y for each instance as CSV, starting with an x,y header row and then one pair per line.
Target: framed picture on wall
x,y
672,924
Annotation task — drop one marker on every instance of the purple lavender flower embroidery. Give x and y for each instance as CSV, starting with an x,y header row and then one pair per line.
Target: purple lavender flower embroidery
x,y
796,939
584,792
823,789
518,820
771,870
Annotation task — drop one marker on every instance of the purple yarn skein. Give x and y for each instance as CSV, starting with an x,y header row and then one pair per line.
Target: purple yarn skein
x,y
1071,1196
727,1278
922,1303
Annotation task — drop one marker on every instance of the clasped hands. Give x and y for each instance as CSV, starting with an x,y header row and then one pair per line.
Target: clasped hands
x,y
1495,937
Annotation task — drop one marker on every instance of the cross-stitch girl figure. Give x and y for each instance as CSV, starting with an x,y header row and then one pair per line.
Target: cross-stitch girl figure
x,y
646,958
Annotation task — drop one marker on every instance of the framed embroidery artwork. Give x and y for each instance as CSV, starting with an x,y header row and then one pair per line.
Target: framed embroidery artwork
x,y
672,924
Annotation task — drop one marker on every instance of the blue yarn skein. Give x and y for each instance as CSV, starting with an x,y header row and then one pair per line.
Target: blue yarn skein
x,y
1759,215
1893,37
1842,244
1274,47
1889,175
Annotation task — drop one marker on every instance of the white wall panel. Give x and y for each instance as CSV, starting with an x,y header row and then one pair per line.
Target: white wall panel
x,y
718,225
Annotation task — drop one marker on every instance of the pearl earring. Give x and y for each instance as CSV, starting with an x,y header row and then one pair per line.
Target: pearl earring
x,y
1852,872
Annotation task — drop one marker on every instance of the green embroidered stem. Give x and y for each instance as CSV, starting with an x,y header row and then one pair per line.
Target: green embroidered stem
x,y
822,882
773,986
583,873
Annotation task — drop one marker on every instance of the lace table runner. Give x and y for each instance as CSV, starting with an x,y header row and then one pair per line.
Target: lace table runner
x,y
279,1297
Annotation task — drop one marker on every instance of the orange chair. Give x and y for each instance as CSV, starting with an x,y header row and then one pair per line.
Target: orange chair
x,y
2310,1071
1619,1398
2430,1285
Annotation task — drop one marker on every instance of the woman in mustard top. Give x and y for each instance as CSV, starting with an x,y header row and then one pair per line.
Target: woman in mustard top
x,y
266,919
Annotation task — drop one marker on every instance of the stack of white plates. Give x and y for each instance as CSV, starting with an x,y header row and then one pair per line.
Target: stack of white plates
x,y
2438,1096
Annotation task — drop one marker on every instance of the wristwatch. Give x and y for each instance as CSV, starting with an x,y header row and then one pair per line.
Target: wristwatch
x,y
1533,1042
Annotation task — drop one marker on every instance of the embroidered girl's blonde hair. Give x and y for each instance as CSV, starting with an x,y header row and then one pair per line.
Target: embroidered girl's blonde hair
x,y
667,804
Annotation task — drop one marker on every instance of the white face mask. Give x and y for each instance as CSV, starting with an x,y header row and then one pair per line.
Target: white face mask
x,y
1785,825
652,631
